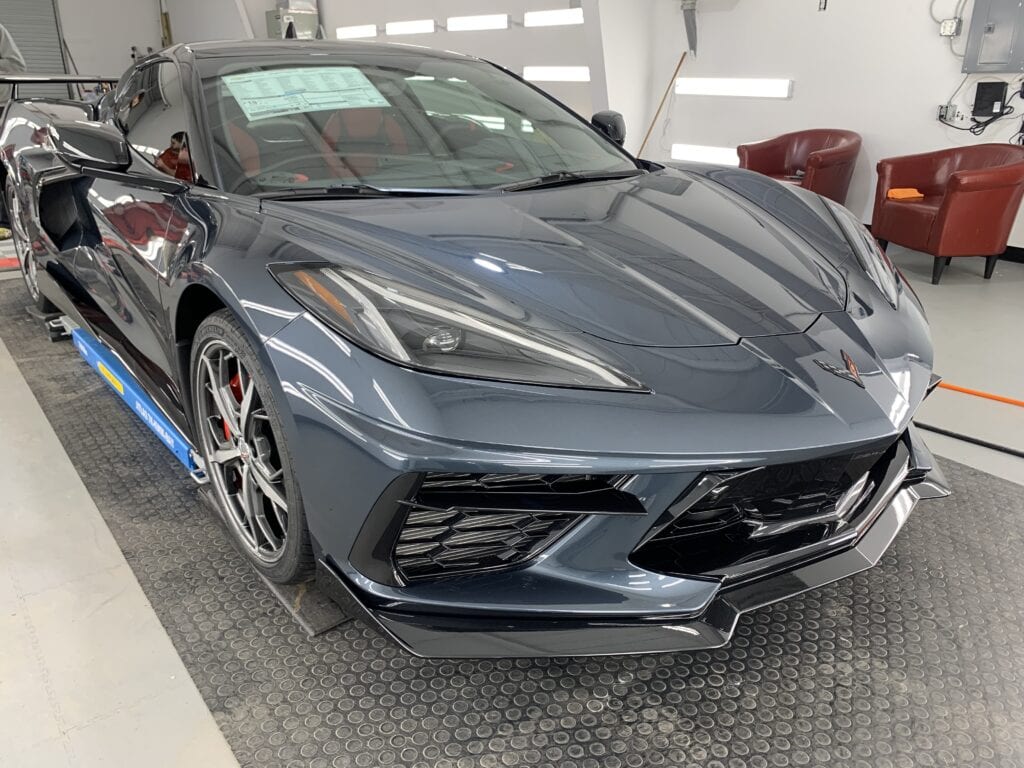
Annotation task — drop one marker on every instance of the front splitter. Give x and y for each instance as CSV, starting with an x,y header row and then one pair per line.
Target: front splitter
x,y
446,636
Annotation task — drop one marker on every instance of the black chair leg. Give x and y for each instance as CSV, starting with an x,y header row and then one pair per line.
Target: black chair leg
x,y
990,266
938,268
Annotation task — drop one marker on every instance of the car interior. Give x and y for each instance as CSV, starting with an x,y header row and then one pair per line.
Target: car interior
x,y
424,124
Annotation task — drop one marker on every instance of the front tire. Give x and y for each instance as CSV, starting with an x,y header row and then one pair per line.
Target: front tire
x,y
241,438
23,249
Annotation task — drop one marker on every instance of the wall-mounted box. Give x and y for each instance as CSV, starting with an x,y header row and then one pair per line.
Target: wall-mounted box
x,y
995,42
305,24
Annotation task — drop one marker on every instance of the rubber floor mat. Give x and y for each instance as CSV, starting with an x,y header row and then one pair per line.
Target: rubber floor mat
x,y
918,662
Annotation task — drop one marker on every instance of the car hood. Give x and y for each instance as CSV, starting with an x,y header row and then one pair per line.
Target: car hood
x,y
668,259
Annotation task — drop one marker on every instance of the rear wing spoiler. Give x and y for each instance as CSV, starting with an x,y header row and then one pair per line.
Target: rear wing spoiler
x,y
23,79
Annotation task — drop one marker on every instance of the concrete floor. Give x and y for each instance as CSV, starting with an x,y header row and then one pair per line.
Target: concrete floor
x,y
88,676
977,326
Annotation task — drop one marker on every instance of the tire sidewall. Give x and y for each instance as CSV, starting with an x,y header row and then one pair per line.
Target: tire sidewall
x,y
296,563
40,302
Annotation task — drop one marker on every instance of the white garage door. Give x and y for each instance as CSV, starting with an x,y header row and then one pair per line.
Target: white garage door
x,y
35,28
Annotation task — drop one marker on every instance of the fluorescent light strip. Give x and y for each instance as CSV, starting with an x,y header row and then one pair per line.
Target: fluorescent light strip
x,y
360,30
416,27
556,18
557,74
473,23
756,87
701,153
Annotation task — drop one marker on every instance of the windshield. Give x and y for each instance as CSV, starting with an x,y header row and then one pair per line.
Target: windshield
x,y
392,121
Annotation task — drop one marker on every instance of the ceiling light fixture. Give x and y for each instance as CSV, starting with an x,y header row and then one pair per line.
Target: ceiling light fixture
x,y
557,18
557,74
754,87
415,27
700,153
352,33
474,23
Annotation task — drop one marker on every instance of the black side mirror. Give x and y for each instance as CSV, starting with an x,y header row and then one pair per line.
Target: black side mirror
x,y
84,144
611,124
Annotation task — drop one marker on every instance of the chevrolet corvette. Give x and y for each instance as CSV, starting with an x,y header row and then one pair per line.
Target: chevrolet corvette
x,y
517,391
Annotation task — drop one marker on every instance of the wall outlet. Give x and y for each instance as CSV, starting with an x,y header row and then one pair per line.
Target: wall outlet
x,y
951,113
950,27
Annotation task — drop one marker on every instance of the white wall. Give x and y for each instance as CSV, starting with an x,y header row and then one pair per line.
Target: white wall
x,y
877,67
627,63
193,21
100,33
615,32
511,48
256,10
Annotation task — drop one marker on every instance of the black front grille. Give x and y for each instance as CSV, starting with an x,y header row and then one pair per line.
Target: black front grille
x,y
458,523
734,524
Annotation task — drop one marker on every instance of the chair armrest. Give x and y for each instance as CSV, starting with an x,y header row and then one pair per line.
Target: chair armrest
x,y
928,170
977,212
987,178
767,156
824,158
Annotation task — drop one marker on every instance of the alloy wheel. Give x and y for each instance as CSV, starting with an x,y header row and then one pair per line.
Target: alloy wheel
x,y
241,452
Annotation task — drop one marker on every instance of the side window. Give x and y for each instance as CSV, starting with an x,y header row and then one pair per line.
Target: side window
x,y
151,112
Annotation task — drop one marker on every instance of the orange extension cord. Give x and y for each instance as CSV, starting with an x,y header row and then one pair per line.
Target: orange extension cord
x,y
979,393
968,438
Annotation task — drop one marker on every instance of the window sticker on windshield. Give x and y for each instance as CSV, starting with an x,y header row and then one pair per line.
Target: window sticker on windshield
x,y
302,89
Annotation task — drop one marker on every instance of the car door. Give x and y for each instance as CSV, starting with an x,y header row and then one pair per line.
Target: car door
x,y
140,227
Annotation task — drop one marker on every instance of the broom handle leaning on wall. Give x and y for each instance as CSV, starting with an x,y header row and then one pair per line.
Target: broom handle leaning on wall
x,y
661,105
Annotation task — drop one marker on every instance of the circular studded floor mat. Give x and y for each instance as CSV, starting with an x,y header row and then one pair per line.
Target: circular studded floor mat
x,y
918,662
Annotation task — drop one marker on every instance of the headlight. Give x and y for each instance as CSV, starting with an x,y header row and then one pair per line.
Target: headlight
x,y
871,257
411,327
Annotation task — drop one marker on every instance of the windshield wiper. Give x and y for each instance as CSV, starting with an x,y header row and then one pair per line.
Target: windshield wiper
x,y
560,178
350,191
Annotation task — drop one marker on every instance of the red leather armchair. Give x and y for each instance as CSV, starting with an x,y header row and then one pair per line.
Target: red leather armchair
x,y
971,196
824,156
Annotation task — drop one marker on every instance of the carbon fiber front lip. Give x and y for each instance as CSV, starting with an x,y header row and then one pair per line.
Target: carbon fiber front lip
x,y
445,636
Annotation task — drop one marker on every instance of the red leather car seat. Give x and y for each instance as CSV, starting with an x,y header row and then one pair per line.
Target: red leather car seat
x,y
247,151
360,134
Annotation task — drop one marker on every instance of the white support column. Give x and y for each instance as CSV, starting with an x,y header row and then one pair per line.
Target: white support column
x,y
625,71
596,54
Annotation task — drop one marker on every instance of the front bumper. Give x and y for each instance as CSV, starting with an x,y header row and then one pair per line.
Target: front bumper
x,y
763,403
447,635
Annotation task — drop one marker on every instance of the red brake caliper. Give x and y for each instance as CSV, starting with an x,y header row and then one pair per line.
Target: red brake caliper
x,y
235,384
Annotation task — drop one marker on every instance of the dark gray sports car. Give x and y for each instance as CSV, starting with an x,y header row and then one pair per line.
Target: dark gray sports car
x,y
517,392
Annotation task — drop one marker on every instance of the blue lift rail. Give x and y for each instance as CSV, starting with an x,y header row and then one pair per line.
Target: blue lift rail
x,y
124,384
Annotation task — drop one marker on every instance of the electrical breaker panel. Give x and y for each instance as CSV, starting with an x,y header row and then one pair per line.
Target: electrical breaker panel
x,y
995,42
